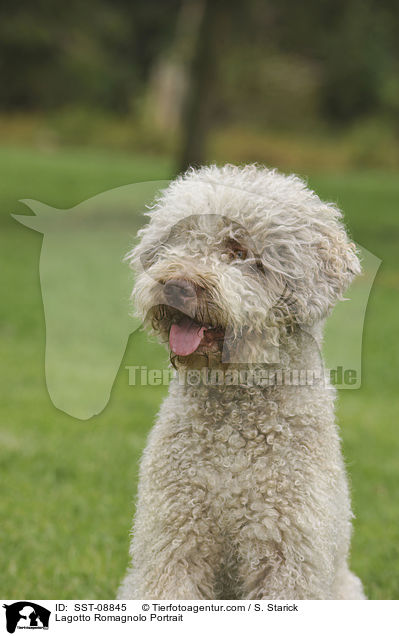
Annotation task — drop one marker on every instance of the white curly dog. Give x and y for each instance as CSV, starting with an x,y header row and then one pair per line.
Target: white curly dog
x,y
243,492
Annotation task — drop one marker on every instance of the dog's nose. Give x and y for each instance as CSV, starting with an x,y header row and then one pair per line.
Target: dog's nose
x,y
179,292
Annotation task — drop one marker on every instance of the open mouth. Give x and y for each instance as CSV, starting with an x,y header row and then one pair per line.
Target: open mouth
x,y
188,336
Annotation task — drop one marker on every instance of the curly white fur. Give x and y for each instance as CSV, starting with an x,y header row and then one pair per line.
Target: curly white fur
x,y
243,491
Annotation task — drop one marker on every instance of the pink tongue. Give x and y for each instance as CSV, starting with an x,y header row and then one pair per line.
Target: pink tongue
x,y
185,337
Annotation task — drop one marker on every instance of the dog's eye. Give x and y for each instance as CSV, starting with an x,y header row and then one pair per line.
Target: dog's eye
x,y
235,251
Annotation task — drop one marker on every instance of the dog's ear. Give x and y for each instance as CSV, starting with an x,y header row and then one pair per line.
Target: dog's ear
x,y
335,265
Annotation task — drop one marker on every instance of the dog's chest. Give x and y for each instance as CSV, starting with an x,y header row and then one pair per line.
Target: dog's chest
x,y
236,446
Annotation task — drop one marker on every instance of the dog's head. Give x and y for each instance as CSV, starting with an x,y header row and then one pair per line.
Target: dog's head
x,y
238,254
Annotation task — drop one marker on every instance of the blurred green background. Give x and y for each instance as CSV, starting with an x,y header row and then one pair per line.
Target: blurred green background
x,y
101,94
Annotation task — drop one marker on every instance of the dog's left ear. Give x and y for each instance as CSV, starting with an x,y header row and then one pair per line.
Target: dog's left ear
x,y
335,265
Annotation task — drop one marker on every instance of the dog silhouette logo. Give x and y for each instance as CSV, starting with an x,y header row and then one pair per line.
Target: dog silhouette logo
x,y
86,287
26,615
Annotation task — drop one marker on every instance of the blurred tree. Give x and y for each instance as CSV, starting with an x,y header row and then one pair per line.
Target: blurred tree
x,y
199,102
170,75
194,64
98,53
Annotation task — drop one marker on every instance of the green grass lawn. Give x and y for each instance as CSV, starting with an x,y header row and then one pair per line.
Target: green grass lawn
x,y
68,485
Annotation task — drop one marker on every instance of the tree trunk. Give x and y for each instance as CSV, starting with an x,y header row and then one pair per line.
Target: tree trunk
x,y
198,103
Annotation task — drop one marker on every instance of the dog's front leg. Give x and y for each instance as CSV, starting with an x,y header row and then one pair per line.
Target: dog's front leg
x,y
284,582
289,567
174,550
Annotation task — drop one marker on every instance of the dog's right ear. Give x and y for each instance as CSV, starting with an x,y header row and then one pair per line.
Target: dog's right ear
x,y
335,265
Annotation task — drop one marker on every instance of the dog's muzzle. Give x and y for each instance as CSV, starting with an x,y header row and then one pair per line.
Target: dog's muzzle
x,y
180,293
191,327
